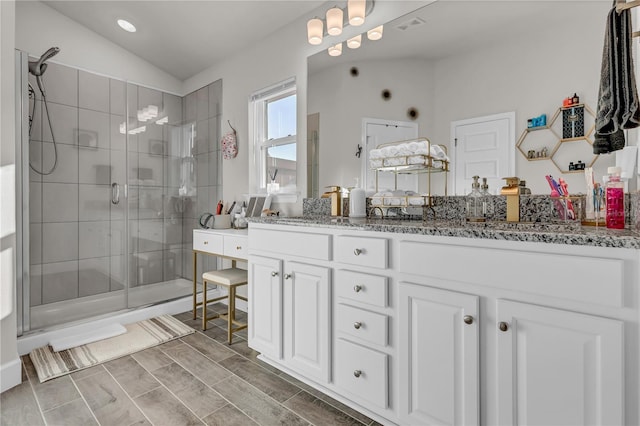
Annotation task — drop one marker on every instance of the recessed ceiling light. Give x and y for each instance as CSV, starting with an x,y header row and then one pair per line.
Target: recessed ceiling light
x,y
126,25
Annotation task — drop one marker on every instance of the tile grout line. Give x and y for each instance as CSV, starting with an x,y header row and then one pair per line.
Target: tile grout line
x,y
35,396
83,399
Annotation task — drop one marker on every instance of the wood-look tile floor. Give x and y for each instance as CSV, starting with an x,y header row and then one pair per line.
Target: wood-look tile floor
x,y
195,380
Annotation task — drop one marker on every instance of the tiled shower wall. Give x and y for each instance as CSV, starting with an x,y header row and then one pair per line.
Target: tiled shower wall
x,y
78,245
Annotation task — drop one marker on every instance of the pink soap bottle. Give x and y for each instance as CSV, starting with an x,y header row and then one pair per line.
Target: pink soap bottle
x,y
615,199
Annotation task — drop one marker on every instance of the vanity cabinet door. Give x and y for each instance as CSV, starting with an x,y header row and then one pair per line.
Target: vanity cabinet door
x,y
439,358
558,367
307,313
265,306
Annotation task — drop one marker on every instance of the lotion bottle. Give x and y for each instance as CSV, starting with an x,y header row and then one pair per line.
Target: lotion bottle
x,y
357,202
615,199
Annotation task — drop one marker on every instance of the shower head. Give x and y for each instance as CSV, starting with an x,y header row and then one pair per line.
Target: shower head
x,y
38,67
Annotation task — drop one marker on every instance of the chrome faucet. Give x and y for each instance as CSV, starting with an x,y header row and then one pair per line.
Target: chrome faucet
x,y
512,192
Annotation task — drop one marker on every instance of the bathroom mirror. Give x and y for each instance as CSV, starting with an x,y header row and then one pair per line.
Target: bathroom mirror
x,y
453,61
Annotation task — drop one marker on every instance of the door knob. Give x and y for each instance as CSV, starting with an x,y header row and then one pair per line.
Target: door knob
x,y
357,325
357,288
468,319
503,326
357,373
274,274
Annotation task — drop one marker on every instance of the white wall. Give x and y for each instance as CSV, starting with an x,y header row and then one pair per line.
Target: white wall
x,y
529,74
279,56
343,101
39,27
9,361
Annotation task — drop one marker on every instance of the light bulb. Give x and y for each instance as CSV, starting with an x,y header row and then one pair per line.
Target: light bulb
x,y
356,9
375,33
334,21
314,31
354,42
335,50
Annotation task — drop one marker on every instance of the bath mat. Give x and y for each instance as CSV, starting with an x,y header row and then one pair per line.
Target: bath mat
x,y
140,335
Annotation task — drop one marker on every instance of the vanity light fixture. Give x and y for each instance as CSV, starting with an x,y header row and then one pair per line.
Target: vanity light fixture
x,y
335,50
126,25
354,42
335,18
356,10
314,31
375,33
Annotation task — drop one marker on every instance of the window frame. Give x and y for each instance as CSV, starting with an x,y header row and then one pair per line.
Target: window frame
x,y
259,124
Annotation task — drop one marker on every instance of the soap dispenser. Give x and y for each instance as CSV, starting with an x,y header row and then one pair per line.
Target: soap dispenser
x,y
487,200
357,202
474,202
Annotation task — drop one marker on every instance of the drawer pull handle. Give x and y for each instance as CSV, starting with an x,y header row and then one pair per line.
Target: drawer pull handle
x,y
274,274
357,325
238,247
357,373
287,276
503,326
357,288
357,252
468,319
206,242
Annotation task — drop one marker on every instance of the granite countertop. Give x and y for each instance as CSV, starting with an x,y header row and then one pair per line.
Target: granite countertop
x,y
552,233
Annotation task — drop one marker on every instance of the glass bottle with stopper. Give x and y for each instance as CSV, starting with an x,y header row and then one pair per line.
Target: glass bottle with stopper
x,y
487,201
475,203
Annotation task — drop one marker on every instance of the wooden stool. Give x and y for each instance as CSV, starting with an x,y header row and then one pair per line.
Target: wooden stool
x,y
231,279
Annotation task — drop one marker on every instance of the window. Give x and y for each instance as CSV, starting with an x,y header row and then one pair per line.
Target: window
x,y
274,125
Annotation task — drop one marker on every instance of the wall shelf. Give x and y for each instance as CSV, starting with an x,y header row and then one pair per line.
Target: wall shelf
x,y
559,141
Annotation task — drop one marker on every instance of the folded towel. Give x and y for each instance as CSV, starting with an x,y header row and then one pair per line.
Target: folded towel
x,y
438,152
375,153
413,146
395,161
416,159
376,201
618,97
416,201
375,163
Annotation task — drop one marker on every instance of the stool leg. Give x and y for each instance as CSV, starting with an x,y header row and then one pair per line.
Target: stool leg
x,y
204,305
232,312
195,283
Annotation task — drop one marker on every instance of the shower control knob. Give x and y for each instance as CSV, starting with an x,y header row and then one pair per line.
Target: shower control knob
x,y
357,288
357,325
468,319
503,326
357,252
357,373
274,274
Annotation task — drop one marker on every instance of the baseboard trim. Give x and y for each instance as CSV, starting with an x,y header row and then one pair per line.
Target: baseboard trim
x,y
10,374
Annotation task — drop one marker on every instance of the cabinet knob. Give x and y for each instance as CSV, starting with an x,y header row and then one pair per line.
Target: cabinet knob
x,y
206,242
287,276
357,288
357,252
357,325
274,274
503,326
238,247
468,319
357,373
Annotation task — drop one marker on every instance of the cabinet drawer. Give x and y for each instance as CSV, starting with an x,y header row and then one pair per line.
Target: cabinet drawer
x,y
302,244
236,247
365,288
362,372
368,326
371,252
207,242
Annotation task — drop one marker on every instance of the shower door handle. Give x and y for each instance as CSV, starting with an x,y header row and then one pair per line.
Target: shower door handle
x,y
115,193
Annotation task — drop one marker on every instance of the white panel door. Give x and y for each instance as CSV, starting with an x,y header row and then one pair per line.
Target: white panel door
x,y
485,147
439,358
265,306
558,367
376,132
307,313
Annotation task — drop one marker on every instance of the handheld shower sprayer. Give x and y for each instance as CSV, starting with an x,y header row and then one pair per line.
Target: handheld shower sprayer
x,y
37,68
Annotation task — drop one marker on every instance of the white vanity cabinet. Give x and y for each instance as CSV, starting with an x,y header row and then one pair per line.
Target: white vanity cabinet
x,y
558,367
417,330
290,300
438,356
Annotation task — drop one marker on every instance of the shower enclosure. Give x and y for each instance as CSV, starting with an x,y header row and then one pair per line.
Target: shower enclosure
x,y
110,227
